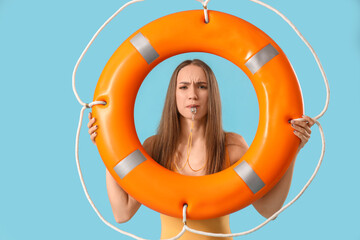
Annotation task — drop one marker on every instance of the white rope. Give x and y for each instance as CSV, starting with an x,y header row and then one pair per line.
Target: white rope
x,y
85,105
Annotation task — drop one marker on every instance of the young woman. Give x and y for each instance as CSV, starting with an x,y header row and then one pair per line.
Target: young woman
x,y
191,141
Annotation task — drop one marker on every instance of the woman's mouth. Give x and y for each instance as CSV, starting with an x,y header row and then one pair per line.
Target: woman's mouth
x,y
193,106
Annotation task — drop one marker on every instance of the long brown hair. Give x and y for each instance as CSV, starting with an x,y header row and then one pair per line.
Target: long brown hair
x,y
165,144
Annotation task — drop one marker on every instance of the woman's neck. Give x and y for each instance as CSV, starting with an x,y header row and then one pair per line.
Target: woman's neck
x,y
198,131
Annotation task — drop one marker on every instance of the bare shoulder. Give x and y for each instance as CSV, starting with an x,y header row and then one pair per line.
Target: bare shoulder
x,y
149,143
236,145
235,139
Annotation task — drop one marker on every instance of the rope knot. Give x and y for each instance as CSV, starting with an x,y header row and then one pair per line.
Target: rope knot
x,y
204,2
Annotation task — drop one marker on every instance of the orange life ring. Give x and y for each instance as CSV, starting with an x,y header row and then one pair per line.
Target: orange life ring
x,y
274,145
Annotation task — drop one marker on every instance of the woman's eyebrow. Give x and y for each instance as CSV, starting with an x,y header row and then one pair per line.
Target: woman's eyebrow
x,y
187,83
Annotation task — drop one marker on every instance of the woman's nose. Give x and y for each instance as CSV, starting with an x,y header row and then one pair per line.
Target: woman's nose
x,y
193,92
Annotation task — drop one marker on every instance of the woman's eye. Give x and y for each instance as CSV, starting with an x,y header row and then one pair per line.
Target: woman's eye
x,y
203,87
183,87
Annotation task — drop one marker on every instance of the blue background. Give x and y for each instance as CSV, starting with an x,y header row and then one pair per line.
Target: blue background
x,y
40,42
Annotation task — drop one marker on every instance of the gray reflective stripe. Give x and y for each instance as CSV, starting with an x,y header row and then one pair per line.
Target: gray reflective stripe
x,y
144,47
129,163
250,177
261,58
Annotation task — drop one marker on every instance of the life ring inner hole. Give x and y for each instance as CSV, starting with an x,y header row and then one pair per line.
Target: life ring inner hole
x,y
240,107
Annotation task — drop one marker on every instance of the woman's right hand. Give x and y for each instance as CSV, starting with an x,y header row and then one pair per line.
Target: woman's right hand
x,y
92,129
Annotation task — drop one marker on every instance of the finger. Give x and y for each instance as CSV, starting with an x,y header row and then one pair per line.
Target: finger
x,y
89,115
301,126
91,122
304,139
308,130
92,129
302,130
93,136
310,120
301,122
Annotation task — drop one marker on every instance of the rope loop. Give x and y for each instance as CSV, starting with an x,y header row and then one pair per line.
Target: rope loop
x,y
184,213
205,3
90,105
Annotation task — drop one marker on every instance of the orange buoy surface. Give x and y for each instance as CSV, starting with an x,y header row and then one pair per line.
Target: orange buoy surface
x,y
274,145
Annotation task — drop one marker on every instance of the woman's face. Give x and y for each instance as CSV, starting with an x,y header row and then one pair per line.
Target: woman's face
x,y
192,91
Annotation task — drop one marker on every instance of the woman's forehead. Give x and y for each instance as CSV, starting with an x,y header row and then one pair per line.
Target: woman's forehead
x,y
191,73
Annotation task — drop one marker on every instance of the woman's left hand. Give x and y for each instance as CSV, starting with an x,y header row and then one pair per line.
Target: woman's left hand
x,y
302,129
